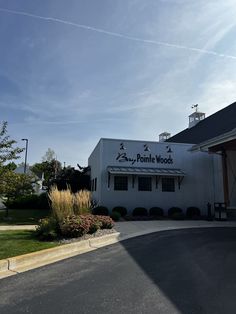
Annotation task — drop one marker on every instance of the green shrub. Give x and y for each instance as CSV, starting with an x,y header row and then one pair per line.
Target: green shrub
x,y
178,216
73,226
156,211
101,210
10,204
23,202
193,212
121,210
43,201
47,229
174,210
115,216
92,221
76,226
140,211
106,222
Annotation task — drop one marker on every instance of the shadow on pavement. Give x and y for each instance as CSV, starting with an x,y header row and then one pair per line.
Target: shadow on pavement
x,y
194,268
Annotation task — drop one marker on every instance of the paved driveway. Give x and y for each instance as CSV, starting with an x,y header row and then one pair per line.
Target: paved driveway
x,y
179,271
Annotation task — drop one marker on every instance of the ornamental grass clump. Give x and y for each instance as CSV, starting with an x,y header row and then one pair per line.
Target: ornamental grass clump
x,y
61,203
82,202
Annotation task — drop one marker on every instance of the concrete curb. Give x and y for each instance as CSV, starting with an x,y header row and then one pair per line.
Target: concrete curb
x,y
22,263
3,264
4,271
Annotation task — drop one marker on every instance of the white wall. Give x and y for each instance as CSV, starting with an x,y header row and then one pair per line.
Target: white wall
x,y
94,162
197,188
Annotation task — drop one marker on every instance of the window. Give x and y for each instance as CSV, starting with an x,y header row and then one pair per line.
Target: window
x,y
168,184
121,183
144,183
94,185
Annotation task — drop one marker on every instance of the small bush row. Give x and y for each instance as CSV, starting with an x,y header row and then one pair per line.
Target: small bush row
x,y
173,212
72,226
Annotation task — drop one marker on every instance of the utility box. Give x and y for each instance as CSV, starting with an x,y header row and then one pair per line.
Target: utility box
x,y
220,211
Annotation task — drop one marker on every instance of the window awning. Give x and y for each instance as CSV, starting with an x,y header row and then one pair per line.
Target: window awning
x,y
146,171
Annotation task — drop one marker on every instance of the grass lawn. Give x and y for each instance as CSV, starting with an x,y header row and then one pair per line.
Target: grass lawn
x,y
13,243
23,216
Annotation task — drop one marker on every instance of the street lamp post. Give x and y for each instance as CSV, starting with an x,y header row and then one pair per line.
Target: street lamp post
x,y
26,151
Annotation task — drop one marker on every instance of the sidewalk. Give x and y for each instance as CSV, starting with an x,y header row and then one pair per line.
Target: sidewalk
x,y
130,229
19,227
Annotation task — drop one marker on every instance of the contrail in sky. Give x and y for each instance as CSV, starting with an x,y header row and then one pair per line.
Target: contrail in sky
x,y
120,35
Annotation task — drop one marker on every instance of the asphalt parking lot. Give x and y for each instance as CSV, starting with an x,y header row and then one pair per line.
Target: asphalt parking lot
x,y
178,271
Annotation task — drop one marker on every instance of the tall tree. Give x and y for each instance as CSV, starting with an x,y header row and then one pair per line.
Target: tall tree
x,y
49,167
49,155
16,184
76,179
7,150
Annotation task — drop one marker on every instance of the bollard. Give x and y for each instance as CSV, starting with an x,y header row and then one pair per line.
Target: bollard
x,y
220,211
209,215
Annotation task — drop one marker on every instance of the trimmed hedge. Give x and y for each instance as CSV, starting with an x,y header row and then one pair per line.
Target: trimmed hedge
x,y
31,201
193,212
156,212
121,210
140,211
43,201
100,210
178,216
115,216
174,210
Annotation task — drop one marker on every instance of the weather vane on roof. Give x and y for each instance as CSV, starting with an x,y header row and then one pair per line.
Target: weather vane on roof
x,y
196,107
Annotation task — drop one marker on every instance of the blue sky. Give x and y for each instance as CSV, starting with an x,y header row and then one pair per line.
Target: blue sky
x,y
75,71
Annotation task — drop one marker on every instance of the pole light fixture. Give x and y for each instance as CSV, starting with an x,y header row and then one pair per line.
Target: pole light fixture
x,y
26,152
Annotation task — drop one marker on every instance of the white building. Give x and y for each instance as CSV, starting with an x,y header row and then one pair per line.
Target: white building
x,y
150,174
195,167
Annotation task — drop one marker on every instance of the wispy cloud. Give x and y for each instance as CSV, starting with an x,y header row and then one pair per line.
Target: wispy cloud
x,y
36,121
218,93
119,35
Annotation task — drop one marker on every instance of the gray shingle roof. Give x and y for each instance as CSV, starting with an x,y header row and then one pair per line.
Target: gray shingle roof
x,y
220,122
